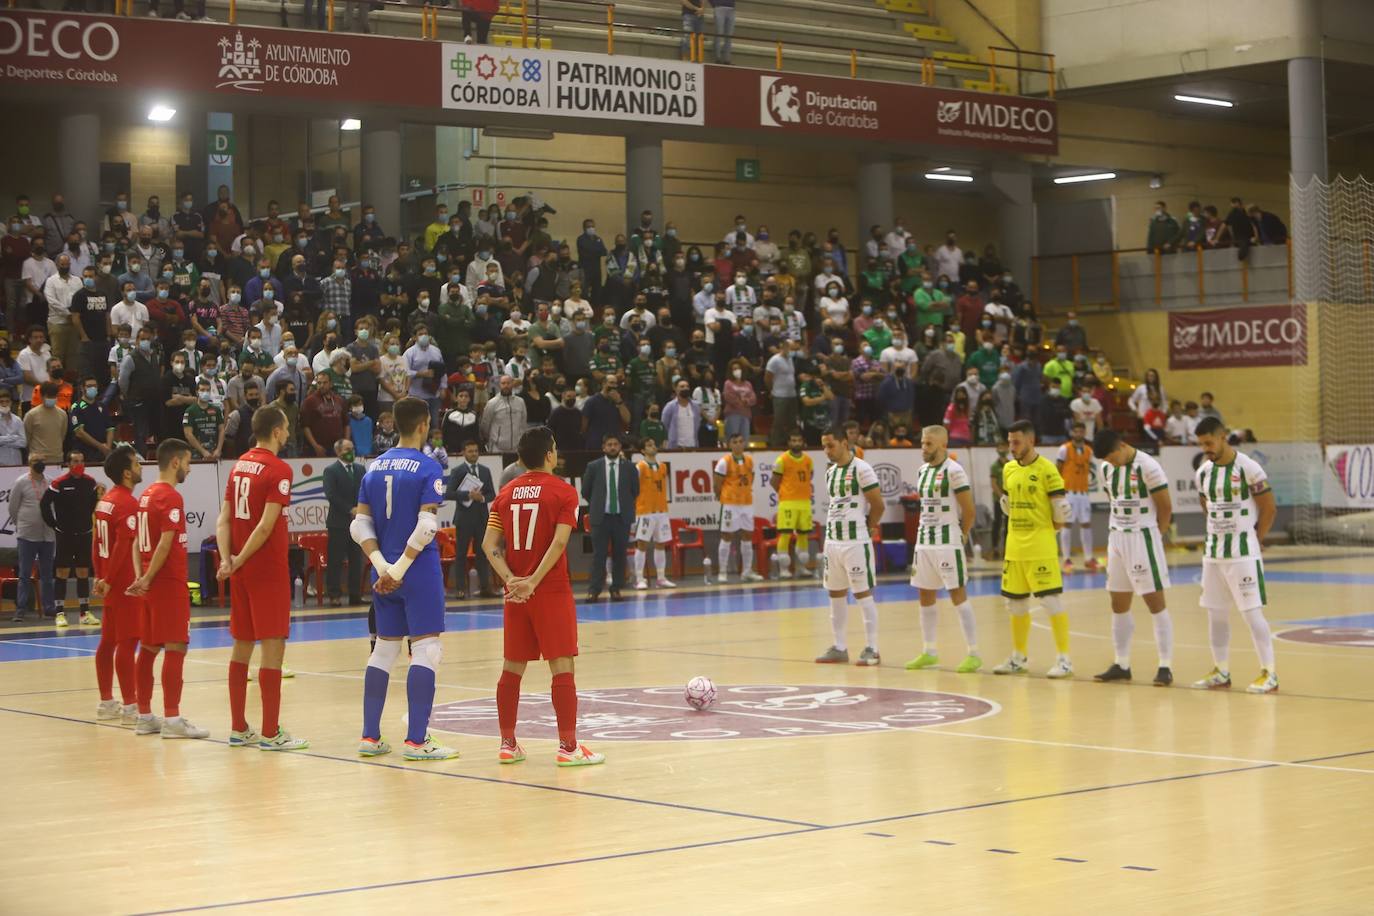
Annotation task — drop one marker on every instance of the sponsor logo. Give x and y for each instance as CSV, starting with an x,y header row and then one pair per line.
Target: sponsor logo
x,y
174,516
1354,468
68,39
284,487
438,486
889,479
949,112
1247,580
784,103
743,711
239,66
249,65
779,102
999,115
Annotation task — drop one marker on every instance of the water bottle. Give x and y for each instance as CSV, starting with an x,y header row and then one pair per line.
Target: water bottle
x,y
299,592
706,571
472,580
977,551
776,561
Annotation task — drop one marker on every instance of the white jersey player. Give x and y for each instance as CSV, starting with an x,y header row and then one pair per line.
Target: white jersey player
x,y
1240,509
855,510
947,515
1138,492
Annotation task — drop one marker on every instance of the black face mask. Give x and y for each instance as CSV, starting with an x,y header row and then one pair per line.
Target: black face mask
x,y
288,398
38,467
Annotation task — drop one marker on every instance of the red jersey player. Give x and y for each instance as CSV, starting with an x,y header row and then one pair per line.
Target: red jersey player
x,y
160,568
112,541
527,539
253,544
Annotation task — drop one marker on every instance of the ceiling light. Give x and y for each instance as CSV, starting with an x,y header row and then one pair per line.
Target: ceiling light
x,y
945,176
1095,176
161,113
1200,100
943,168
350,124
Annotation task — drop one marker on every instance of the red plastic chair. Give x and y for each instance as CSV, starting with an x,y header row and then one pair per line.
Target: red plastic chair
x,y
764,546
447,539
316,547
685,537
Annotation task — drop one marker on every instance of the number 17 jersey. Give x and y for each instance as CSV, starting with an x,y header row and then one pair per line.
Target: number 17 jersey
x,y
528,511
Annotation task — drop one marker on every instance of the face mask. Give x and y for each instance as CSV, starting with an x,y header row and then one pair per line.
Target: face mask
x,y
186,205
163,294
393,349
63,270
203,395
301,243
838,348
255,345
740,281
50,402
211,371
178,253
580,325
91,392
288,397
516,315
15,227
670,351
88,282
424,304
987,345
269,294
357,412
1061,355
927,284
644,351
1006,278
135,268
145,345
178,368
423,340
510,214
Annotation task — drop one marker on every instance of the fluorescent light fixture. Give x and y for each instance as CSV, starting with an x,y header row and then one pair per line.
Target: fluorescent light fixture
x,y
1076,179
1201,100
943,168
161,113
350,124
945,176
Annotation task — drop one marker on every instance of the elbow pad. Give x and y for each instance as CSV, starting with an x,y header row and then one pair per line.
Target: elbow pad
x,y
362,529
426,527
1061,511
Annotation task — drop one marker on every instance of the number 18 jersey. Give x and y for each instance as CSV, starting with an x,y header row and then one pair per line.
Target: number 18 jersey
x,y
259,477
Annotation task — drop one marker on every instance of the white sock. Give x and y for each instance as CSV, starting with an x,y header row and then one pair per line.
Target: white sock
x,y
639,562
724,553
930,619
1123,627
839,617
1066,542
1164,637
1262,638
746,557
968,625
869,607
661,562
1087,535
1221,637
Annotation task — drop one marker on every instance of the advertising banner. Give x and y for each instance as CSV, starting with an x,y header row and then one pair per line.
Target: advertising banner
x,y
797,103
1348,477
1259,335
570,84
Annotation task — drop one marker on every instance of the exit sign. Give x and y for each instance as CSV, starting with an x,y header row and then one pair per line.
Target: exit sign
x,y
747,170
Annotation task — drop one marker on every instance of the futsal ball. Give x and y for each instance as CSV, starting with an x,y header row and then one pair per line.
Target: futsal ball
x,y
700,692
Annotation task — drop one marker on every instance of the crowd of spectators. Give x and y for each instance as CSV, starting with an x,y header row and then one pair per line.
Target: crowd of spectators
x,y
1204,228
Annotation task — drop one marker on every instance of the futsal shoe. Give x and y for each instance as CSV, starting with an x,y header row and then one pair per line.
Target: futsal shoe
x,y
286,673
128,715
869,657
89,620
246,738
1217,680
282,741
181,727
1164,677
1015,664
970,664
1062,668
1114,673
510,753
107,709
750,576
833,656
642,585
148,725
60,620
429,751
1267,682
582,756
373,747
1068,566
924,660
664,583
1094,566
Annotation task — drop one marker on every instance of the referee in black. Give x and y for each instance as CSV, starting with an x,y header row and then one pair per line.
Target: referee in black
x,y
68,506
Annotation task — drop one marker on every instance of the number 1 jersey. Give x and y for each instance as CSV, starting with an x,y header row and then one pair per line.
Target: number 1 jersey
x,y
394,488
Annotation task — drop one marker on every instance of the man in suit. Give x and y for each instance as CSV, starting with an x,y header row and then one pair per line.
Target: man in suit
x,y
610,485
470,486
341,481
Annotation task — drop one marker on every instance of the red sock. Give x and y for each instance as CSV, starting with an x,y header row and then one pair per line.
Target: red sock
x,y
104,667
269,682
507,705
144,680
124,665
565,709
172,663
238,695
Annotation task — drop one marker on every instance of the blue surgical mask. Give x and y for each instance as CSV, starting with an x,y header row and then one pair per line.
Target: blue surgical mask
x,y
162,293
264,272
88,282
91,392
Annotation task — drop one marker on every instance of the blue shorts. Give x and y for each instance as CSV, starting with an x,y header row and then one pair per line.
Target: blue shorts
x,y
414,609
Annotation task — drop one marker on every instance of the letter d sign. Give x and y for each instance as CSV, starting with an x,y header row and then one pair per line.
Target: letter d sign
x,y
220,143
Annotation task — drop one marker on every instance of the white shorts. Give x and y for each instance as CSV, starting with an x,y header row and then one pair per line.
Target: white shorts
x,y
654,528
1135,562
736,518
849,565
944,568
1080,508
1233,581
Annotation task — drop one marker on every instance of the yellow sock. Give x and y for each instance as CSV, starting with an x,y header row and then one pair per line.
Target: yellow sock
x,y
803,542
784,541
1020,633
1059,623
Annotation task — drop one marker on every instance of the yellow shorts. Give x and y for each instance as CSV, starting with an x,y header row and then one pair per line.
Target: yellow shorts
x,y
1021,578
794,515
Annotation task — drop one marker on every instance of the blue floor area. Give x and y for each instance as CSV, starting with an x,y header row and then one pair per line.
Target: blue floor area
x,y
636,606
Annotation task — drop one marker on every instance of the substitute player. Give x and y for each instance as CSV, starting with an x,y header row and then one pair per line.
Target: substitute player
x,y
160,580
254,545
652,525
115,530
395,526
1035,507
1075,466
734,484
791,480
527,542
1240,509
851,520
67,507
947,516
1138,491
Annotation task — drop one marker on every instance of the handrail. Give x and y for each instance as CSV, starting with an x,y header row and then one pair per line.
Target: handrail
x,y
992,25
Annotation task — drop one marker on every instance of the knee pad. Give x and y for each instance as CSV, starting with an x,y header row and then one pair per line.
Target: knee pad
x,y
1019,607
426,653
1053,604
384,654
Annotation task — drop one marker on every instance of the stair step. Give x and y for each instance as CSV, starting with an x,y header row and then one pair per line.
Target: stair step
x,y
929,32
986,86
513,41
914,7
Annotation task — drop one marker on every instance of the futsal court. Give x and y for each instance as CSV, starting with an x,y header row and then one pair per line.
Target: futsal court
x,y
806,788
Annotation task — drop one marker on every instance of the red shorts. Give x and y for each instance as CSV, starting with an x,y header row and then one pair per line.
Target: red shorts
x,y
545,626
259,610
121,617
166,616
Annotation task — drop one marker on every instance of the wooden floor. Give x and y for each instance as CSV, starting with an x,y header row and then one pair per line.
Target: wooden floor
x,y
1034,796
